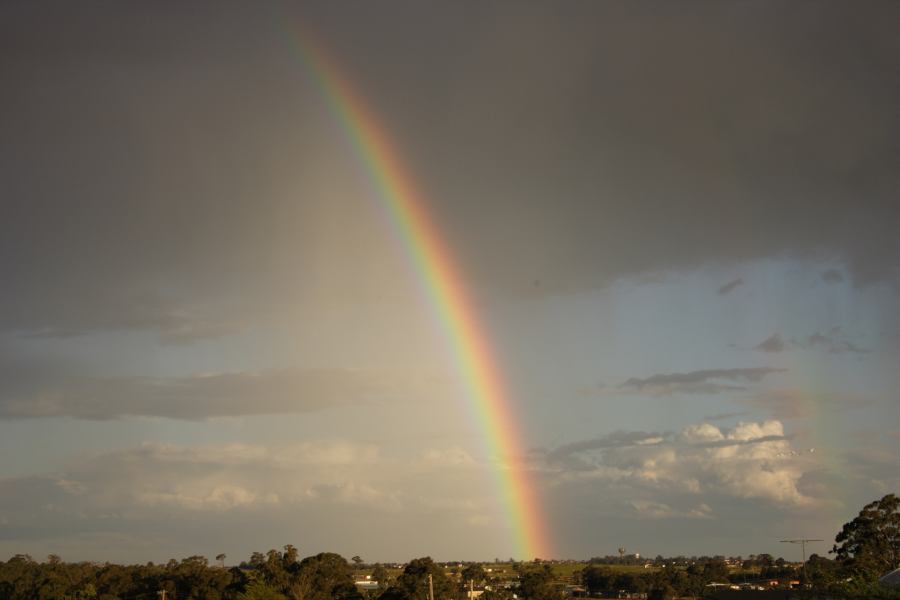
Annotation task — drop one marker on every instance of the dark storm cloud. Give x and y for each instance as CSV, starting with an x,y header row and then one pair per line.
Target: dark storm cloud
x,y
680,136
728,287
166,150
706,381
141,176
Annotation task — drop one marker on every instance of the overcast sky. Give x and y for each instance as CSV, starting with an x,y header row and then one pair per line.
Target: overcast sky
x,y
678,222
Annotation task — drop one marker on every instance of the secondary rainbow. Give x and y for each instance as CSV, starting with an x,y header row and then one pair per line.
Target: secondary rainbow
x,y
444,285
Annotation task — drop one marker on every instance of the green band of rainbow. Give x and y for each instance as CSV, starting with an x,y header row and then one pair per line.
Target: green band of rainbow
x,y
445,287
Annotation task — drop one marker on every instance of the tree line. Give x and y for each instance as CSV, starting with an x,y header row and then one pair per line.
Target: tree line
x,y
865,548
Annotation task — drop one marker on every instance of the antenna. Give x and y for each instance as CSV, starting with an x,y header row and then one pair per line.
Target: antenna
x,y
802,542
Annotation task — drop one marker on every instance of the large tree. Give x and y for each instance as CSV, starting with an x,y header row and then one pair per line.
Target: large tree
x,y
537,584
473,572
414,580
325,576
870,544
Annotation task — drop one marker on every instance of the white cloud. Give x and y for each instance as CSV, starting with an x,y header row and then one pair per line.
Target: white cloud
x,y
322,484
751,460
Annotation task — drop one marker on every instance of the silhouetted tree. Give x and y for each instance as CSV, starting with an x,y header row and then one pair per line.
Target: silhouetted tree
x,y
869,545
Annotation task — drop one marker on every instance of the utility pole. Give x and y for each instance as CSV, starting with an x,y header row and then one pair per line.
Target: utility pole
x,y
161,594
802,543
430,588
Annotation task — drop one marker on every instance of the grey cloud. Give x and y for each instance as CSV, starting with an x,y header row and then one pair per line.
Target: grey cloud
x,y
832,276
204,396
728,287
564,454
173,319
707,381
726,443
773,343
833,341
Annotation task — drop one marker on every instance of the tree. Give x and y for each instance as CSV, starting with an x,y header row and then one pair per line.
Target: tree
x,y
500,594
357,561
537,584
869,545
325,576
259,590
663,592
394,593
290,557
474,572
821,572
597,579
381,575
414,580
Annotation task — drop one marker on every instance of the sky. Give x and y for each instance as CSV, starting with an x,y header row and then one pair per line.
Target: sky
x,y
676,224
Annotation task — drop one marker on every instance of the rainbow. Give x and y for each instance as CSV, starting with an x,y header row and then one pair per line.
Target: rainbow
x,y
443,284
